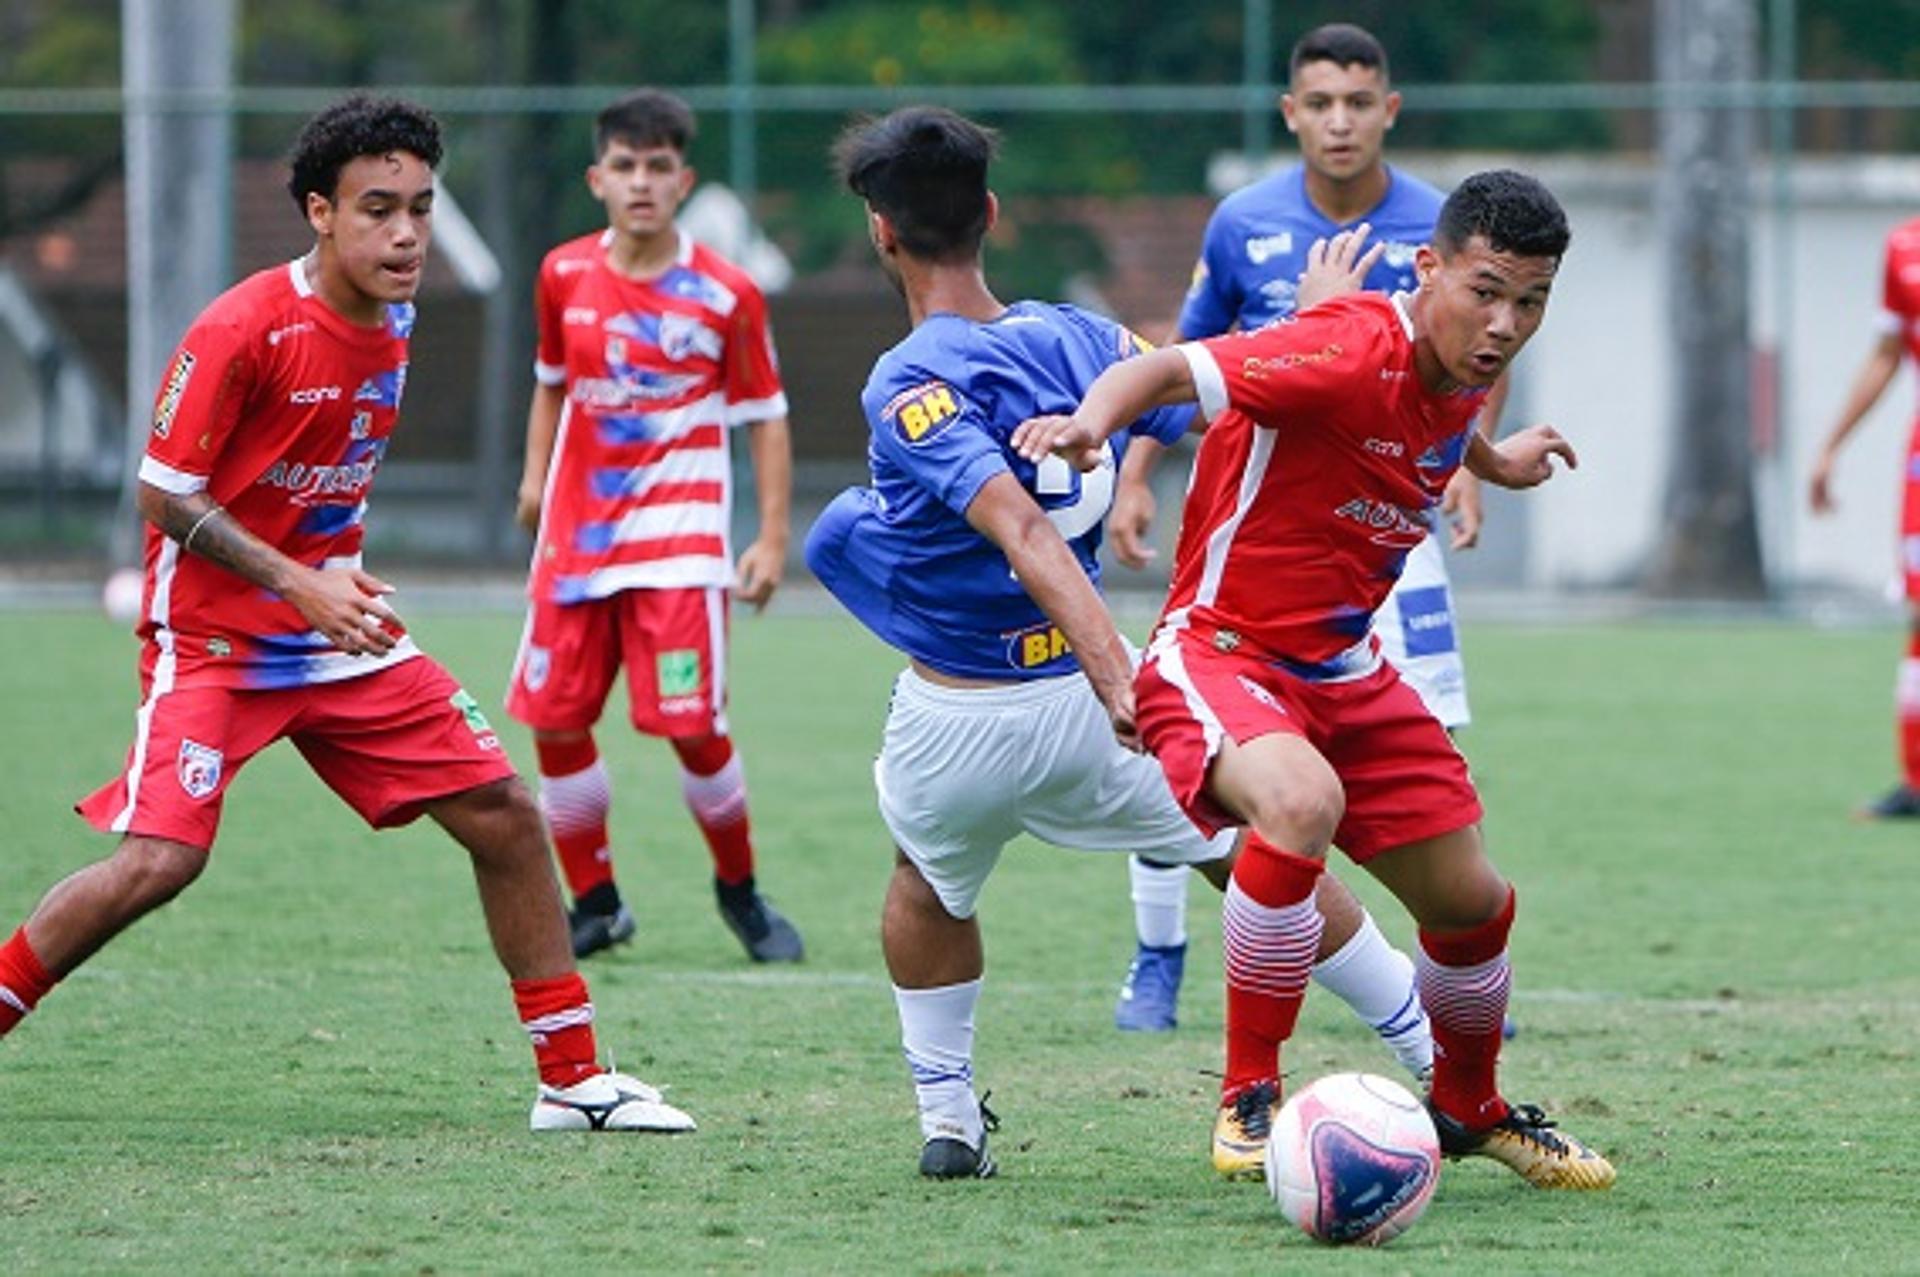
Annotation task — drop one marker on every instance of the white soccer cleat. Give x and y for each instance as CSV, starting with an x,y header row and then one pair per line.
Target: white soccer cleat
x,y
606,1102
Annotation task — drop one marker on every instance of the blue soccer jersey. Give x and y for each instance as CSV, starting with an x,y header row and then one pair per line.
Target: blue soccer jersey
x,y
940,407
1257,241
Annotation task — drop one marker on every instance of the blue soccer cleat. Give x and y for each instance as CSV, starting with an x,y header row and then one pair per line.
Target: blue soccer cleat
x,y
1150,995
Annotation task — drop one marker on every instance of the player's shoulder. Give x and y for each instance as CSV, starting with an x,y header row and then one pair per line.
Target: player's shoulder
x,y
576,256
1904,239
1413,193
714,264
1279,194
256,304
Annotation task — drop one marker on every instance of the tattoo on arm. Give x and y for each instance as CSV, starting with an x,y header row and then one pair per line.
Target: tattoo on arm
x,y
203,526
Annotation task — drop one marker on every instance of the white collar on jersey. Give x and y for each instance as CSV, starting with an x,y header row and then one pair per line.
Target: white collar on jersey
x,y
1399,301
297,274
683,247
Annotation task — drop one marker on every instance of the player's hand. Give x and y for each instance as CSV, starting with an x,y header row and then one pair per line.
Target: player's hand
x,y
1337,266
1036,437
1462,508
346,606
1133,511
1524,459
759,572
1820,486
526,506
1120,712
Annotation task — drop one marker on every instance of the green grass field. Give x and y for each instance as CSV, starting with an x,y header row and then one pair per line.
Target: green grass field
x,y
310,1062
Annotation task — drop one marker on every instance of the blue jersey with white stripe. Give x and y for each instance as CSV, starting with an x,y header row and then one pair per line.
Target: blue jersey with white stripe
x,y
1257,240
940,408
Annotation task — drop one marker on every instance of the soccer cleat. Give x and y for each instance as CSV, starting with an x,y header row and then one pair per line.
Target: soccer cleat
x,y
606,1101
593,932
951,1157
762,930
1241,1131
1150,994
1529,1144
1902,802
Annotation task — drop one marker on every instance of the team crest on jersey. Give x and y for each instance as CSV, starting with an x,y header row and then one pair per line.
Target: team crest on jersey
x,y
921,412
198,768
361,426
683,335
616,350
170,396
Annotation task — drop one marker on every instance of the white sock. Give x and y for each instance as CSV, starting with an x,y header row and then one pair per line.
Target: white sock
x,y
936,1034
1159,903
1376,980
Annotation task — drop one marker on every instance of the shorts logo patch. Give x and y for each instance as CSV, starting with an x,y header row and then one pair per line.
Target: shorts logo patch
x,y
678,673
198,768
535,668
470,710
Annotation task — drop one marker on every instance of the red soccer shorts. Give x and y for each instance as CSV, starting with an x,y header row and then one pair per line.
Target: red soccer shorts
x,y
1404,779
1910,518
388,743
673,643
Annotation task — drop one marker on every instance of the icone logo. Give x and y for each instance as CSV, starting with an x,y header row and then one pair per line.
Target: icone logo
x,y
920,412
314,394
1032,648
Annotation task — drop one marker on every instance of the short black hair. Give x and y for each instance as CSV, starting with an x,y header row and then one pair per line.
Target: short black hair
x,y
925,169
1340,43
357,125
1514,213
644,118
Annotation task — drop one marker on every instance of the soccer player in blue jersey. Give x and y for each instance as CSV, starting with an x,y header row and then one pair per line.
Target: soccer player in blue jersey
x,y
1259,244
981,568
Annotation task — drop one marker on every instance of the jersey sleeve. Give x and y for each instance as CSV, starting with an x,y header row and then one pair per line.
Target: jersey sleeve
x,y
1895,305
1167,423
1283,370
198,405
1213,297
753,388
550,354
939,439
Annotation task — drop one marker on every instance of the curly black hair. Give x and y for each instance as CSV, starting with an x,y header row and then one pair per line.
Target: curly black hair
x,y
1514,213
354,126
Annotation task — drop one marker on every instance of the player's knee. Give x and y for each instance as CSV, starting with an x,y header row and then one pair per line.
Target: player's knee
x,y
152,871
1300,817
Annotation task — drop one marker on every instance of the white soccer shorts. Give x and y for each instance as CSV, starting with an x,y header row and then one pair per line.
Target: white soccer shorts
x,y
1418,634
963,771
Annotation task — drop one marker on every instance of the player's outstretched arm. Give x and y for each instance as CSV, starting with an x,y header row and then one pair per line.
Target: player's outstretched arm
x,y
344,604
1003,513
1522,460
1122,394
1882,362
764,563
543,423
1462,505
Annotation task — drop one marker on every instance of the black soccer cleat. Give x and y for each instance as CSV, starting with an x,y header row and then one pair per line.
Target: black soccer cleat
x,y
1902,802
593,932
945,1157
762,930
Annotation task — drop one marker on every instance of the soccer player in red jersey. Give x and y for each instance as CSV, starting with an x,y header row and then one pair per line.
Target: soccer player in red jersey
x,y
1899,334
1263,695
259,622
651,348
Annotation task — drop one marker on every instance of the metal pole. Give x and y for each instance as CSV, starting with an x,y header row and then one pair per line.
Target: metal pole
x,y
1783,36
179,198
1256,80
740,77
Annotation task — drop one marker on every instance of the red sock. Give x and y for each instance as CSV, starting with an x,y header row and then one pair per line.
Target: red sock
x,y
575,795
23,981
1907,709
1271,933
1463,978
559,1018
715,788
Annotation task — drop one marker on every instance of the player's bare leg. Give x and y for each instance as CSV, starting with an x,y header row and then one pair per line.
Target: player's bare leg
x,y
501,829
1282,787
83,911
936,962
1465,909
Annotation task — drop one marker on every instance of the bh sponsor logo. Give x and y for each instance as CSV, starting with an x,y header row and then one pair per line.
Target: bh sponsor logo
x,y
1037,646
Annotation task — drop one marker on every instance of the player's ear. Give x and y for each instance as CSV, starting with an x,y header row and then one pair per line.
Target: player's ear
x,y
688,176
993,209
319,213
880,231
1393,108
1426,264
1287,108
594,180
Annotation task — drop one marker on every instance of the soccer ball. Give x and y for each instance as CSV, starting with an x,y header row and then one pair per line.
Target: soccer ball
x,y
1353,1159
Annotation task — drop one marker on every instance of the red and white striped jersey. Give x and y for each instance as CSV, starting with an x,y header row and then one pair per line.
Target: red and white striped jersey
x,y
281,409
1900,288
1321,462
639,492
